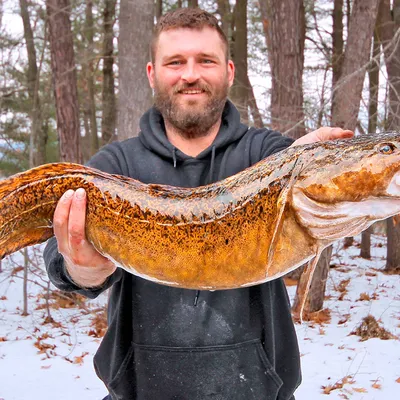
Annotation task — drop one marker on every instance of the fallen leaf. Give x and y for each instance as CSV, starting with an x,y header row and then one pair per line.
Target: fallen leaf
x,y
360,390
79,359
364,297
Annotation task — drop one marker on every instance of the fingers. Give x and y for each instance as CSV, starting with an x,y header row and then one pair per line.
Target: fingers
x,y
69,224
76,222
339,133
323,134
60,220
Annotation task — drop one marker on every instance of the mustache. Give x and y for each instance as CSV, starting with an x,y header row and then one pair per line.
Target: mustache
x,y
201,86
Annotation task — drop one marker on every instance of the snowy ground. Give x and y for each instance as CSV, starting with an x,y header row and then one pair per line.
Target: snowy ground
x,y
53,360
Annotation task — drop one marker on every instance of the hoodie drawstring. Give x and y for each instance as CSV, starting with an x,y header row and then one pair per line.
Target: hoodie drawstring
x,y
209,179
174,156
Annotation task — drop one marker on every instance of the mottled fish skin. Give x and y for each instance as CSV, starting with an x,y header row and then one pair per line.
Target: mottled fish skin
x,y
249,228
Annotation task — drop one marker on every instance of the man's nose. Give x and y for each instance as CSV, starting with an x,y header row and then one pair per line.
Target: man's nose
x,y
191,73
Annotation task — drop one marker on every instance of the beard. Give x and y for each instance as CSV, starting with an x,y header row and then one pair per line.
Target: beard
x,y
193,119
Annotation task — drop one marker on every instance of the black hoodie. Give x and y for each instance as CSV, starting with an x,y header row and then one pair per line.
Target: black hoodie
x,y
166,343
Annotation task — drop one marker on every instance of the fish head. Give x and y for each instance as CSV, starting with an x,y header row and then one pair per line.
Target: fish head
x,y
347,185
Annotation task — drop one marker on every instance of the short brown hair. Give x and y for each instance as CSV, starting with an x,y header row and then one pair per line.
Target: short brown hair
x,y
192,18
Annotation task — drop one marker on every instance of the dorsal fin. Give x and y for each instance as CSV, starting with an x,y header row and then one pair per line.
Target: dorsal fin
x,y
23,179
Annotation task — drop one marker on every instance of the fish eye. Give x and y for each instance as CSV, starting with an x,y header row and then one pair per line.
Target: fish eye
x,y
387,148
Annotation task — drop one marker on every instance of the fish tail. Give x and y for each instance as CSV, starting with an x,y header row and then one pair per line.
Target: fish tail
x,y
27,204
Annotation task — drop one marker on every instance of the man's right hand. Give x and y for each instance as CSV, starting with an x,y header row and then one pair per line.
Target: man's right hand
x,y
87,267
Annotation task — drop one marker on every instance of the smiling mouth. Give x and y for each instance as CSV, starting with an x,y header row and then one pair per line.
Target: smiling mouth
x,y
191,91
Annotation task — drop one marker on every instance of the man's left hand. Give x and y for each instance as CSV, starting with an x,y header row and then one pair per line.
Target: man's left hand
x,y
323,134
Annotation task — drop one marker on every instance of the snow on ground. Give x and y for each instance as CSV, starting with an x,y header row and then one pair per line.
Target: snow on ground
x,y
53,360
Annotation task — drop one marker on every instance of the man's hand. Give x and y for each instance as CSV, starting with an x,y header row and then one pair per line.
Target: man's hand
x,y
323,134
87,267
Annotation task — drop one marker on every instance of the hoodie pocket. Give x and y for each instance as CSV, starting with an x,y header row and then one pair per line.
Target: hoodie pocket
x,y
231,372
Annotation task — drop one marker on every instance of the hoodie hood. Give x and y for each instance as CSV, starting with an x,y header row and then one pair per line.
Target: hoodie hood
x,y
153,136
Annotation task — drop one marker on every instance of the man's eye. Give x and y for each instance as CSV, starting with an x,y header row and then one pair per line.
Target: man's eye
x,y
175,63
207,61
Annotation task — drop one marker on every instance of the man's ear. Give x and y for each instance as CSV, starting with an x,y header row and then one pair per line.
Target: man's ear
x,y
231,72
150,73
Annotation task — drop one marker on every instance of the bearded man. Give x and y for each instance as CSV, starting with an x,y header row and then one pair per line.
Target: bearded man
x,y
167,343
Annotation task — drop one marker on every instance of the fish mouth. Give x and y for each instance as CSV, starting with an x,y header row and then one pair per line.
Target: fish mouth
x,y
393,188
333,221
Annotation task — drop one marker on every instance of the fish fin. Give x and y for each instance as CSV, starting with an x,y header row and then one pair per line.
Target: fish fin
x,y
335,220
22,239
303,287
23,179
281,205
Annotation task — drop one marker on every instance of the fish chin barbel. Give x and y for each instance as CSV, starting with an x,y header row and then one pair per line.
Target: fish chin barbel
x,y
247,229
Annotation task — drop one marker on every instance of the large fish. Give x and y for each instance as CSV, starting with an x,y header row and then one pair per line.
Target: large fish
x,y
250,228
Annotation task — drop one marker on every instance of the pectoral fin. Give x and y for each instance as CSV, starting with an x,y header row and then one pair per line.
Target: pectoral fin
x,y
303,287
281,206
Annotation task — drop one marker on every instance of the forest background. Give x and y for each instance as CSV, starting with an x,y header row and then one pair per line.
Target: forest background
x,y
72,79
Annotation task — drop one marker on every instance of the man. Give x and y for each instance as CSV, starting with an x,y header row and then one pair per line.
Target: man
x,y
167,343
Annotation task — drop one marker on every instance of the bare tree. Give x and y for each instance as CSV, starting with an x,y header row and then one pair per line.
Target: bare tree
x,y
64,77
109,114
193,3
337,41
224,10
90,104
373,74
159,9
37,151
136,22
346,102
240,90
347,92
388,31
285,39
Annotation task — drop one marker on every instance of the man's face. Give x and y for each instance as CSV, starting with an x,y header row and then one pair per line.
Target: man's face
x,y
191,78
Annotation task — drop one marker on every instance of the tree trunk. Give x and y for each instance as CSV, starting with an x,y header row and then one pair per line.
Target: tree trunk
x,y
284,22
64,77
373,74
37,151
109,111
315,300
365,251
348,242
347,92
239,93
347,89
159,9
193,3
387,31
224,10
337,41
85,140
357,43
89,77
393,248
136,26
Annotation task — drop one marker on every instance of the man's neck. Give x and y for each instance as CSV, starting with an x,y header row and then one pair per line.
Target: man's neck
x,y
191,146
